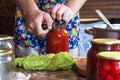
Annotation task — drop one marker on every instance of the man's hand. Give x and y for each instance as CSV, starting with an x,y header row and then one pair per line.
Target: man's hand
x,y
35,20
34,17
62,12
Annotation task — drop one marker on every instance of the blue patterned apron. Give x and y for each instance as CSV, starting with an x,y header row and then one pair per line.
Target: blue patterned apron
x,y
26,39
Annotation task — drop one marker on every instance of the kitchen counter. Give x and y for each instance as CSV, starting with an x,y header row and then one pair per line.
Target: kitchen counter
x,y
77,73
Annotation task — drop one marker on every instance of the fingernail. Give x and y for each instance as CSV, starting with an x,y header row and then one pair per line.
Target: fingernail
x,y
49,27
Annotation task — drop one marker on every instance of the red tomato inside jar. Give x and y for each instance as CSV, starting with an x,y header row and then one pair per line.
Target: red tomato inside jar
x,y
99,45
57,39
108,66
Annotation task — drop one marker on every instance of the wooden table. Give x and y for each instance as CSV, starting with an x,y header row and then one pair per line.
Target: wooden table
x,y
80,66
52,75
72,74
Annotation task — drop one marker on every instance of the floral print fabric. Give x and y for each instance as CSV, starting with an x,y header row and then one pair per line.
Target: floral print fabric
x,y
24,38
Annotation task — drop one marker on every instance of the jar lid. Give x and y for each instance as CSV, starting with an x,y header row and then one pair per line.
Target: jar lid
x,y
5,52
107,41
111,55
5,37
58,24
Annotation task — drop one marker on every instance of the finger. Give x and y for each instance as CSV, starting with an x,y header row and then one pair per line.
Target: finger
x,y
30,28
60,12
32,31
54,10
40,36
67,16
39,29
48,20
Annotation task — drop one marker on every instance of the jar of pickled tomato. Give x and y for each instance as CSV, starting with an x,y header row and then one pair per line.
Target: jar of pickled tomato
x,y
108,66
57,39
99,45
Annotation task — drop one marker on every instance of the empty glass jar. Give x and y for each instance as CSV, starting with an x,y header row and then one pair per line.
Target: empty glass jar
x,y
6,57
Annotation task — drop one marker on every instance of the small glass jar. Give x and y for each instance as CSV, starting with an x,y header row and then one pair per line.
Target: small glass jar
x,y
108,66
99,45
6,57
57,39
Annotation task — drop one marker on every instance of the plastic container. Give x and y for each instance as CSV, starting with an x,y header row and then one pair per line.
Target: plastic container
x,y
108,66
99,45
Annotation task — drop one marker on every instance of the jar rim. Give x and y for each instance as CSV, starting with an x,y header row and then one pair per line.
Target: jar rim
x,y
107,41
5,51
110,55
5,37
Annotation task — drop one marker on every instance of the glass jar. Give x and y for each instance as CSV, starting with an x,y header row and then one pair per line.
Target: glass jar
x,y
99,45
108,66
6,58
57,39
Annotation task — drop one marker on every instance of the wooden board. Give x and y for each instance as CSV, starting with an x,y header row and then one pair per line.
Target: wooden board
x,y
80,66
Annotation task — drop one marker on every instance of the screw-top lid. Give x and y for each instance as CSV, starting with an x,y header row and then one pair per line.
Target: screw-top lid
x,y
107,41
111,55
58,24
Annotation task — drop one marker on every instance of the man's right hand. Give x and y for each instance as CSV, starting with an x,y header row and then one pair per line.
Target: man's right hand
x,y
34,17
35,20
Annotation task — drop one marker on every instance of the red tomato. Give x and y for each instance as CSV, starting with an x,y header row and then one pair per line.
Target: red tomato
x,y
107,66
101,73
108,77
115,67
117,77
57,41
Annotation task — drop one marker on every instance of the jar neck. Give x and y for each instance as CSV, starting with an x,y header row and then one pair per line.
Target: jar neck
x,y
59,29
104,47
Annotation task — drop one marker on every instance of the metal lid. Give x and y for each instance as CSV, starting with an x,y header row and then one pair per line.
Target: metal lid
x,y
111,55
5,51
59,24
5,37
56,24
107,41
